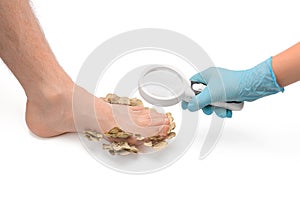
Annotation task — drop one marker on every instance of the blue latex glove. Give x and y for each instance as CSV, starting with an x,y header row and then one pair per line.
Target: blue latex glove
x,y
226,85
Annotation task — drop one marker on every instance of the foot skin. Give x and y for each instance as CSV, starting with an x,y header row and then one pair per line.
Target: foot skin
x,y
54,115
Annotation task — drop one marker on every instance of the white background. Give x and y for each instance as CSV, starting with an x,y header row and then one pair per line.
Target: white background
x,y
258,156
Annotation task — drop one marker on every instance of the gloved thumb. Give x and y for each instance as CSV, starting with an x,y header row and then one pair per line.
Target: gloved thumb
x,y
184,105
199,101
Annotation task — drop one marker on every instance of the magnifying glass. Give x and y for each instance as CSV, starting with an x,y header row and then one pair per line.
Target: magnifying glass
x,y
163,86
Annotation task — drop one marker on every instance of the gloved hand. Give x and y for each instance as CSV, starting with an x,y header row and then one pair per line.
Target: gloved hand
x,y
226,85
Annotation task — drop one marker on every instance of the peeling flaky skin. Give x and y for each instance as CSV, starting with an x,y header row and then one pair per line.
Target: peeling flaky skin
x,y
114,99
122,147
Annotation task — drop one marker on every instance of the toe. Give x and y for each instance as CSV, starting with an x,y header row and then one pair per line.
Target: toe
x,y
159,121
163,130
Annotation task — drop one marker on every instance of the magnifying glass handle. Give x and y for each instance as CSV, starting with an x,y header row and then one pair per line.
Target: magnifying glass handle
x,y
232,105
235,106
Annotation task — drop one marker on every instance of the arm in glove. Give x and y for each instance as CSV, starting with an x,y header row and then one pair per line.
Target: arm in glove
x,y
226,85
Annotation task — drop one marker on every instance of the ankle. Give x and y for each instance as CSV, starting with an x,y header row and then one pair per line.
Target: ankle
x,y
50,92
49,111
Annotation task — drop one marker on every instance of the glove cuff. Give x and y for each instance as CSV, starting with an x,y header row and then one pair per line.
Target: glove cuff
x,y
260,81
267,84
270,78
269,62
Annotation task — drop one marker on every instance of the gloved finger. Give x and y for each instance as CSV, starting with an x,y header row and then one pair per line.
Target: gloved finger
x,y
199,77
228,113
201,100
184,105
222,112
207,110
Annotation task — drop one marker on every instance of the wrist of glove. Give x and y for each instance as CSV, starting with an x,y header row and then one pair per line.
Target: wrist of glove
x,y
226,85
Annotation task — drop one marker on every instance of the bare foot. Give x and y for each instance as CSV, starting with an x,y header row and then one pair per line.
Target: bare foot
x,y
58,112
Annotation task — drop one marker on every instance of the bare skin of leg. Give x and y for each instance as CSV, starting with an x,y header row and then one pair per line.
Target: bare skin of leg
x,y
49,89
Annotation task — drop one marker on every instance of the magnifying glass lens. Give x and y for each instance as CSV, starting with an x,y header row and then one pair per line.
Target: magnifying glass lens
x,y
161,86
162,83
